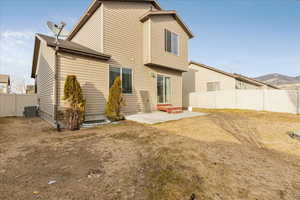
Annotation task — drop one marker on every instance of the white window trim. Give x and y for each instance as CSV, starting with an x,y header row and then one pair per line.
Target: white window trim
x,y
121,68
171,89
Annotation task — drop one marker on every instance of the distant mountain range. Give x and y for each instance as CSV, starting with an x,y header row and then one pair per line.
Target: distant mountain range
x,y
282,81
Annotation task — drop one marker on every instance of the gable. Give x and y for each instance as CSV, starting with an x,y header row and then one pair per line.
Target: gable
x,y
93,8
91,34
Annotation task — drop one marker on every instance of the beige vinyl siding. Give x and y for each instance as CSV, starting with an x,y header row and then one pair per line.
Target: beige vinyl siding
x,y
91,34
45,80
203,76
123,39
188,80
92,75
247,86
5,89
158,54
147,41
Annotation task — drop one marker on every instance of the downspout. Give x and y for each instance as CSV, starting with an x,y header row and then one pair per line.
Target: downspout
x,y
56,89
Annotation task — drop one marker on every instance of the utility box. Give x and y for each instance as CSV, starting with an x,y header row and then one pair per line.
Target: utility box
x,y
30,111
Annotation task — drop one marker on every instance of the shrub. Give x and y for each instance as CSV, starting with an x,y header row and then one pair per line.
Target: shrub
x,y
115,101
74,114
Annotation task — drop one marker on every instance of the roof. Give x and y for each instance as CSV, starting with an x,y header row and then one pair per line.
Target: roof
x,y
4,79
168,12
254,81
213,69
94,6
236,76
64,46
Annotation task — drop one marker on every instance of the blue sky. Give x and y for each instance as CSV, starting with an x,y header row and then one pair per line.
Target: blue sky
x,y
251,37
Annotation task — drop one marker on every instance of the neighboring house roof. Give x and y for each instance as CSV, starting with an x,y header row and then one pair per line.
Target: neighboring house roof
x,y
235,76
94,6
4,79
168,12
213,69
254,81
64,46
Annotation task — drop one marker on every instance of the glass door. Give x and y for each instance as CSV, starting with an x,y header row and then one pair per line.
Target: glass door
x,y
163,89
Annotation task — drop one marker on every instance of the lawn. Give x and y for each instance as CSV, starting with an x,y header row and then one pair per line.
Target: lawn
x,y
228,154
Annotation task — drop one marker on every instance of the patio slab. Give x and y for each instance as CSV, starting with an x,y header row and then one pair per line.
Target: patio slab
x,y
159,117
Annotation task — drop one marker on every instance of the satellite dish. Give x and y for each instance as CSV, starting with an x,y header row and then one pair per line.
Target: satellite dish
x,y
58,30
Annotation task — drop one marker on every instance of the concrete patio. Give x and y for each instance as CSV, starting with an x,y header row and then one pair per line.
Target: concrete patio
x,y
159,117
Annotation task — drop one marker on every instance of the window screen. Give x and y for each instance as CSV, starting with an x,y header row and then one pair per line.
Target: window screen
x,y
126,80
213,86
171,42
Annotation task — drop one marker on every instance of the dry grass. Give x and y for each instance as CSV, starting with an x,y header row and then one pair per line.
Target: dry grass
x,y
262,129
224,155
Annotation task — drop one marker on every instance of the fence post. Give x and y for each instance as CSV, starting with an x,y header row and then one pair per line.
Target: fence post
x,y
16,103
264,100
298,101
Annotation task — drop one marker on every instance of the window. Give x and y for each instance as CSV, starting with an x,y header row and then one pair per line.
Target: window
x,y
171,42
2,85
213,86
240,85
125,75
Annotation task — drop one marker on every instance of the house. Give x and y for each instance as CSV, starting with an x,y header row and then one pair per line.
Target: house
x,y
4,84
203,78
136,39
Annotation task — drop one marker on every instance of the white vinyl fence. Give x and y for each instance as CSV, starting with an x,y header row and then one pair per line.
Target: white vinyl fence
x,y
13,104
286,101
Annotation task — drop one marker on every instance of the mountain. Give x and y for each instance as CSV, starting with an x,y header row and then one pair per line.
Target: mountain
x,y
280,80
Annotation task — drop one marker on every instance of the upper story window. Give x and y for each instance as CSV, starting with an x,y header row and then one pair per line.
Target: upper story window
x,y
171,42
126,77
213,86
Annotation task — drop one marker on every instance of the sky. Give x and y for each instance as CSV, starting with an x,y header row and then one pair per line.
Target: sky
x,y
250,37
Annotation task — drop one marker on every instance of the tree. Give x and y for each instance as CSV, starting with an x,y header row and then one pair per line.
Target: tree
x,y
115,101
74,114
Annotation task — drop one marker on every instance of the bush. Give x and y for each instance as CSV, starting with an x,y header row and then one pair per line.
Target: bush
x,y
115,101
74,114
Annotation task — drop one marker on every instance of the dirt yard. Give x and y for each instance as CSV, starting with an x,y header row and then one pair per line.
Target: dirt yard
x,y
226,155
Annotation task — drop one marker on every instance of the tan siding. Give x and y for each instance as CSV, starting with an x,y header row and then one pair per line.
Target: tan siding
x,y
5,88
188,80
146,41
45,79
158,54
124,40
92,75
91,34
203,76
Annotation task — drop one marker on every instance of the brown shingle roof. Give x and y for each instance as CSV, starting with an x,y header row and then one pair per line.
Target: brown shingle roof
x,y
64,46
72,46
168,12
4,79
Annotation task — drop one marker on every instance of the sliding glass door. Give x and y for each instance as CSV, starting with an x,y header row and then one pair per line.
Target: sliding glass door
x,y
163,89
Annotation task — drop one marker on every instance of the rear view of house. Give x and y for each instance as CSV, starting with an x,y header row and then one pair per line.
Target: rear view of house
x,y
137,40
4,84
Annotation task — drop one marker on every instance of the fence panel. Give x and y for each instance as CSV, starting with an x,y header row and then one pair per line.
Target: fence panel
x,y
13,104
287,101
